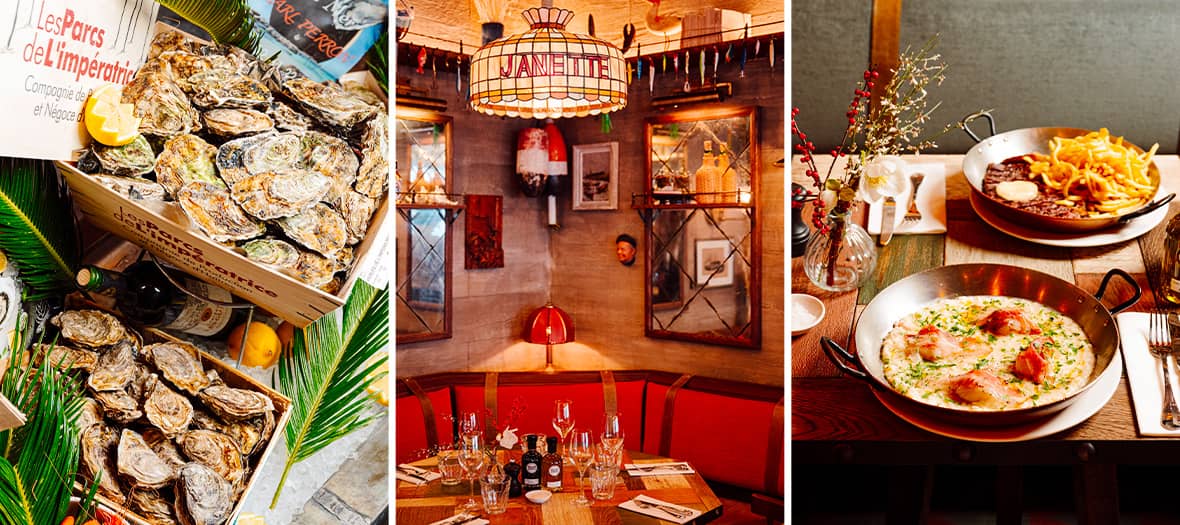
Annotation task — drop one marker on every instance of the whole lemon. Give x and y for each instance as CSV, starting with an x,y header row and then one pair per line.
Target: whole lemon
x,y
262,345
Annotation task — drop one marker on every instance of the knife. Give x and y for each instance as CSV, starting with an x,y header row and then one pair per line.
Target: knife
x,y
888,210
412,474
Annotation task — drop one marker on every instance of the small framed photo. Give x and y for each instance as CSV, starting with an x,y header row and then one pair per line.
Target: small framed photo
x,y
714,266
596,176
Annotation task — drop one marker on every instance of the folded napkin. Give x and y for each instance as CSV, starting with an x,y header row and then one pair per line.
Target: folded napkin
x,y
686,514
462,518
931,202
658,469
416,475
1144,375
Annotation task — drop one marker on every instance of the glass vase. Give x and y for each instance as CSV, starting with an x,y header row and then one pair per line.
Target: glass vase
x,y
843,258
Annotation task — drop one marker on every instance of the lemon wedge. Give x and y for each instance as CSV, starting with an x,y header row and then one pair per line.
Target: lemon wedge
x,y
250,519
108,119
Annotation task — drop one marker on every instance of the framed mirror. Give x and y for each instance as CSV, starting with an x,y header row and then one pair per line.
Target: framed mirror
x,y
424,219
703,244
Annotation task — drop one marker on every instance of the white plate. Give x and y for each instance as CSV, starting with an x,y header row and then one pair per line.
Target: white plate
x,y
1087,404
1114,234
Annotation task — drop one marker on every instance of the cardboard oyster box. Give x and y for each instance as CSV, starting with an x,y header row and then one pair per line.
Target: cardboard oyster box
x,y
163,229
235,379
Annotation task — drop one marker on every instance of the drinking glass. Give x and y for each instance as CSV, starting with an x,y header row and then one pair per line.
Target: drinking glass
x,y
581,451
495,495
472,457
602,480
450,467
563,419
606,455
612,431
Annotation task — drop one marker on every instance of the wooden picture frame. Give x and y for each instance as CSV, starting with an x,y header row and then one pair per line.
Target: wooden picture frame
x,y
596,176
711,254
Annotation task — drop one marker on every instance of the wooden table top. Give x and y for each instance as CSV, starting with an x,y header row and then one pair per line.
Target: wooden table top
x,y
421,504
838,419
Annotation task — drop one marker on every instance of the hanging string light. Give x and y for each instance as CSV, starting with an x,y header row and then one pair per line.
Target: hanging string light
x,y
548,72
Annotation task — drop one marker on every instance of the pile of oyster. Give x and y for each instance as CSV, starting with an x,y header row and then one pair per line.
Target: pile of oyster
x,y
288,170
164,437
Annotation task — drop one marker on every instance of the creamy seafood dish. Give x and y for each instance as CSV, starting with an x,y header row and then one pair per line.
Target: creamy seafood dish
x,y
987,353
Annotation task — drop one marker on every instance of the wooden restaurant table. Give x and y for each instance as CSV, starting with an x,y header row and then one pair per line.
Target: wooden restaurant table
x,y
837,420
427,503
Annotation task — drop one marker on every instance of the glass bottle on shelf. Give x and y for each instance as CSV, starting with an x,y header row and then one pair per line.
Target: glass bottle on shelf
x,y
552,467
530,466
706,178
144,294
729,183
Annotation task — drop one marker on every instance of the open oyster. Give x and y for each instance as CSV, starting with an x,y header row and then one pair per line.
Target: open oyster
x,y
373,175
66,358
214,450
328,103
222,89
99,443
132,188
287,119
140,465
90,415
280,193
229,159
151,505
129,160
202,496
186,158
235,404
89,328
162,106
271,252
168,411
214,210
119,406
114,370
232,122
333,158
313,269
319,228
180,364
357,209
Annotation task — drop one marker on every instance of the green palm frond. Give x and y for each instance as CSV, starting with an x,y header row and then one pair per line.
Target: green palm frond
x,y
34,232
39,459
325,373
379,61
227,21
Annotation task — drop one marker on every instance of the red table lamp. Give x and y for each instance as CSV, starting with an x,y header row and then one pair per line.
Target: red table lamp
x,y
549,325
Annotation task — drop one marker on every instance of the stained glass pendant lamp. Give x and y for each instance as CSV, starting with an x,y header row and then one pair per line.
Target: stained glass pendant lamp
x,y
547,71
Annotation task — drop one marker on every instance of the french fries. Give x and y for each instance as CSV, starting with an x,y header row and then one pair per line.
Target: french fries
x,y
1096,173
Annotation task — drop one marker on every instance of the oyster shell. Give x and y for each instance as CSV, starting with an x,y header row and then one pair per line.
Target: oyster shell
x,y
333,158
133,189
203,420
271,252
90,415
214,450
141,384
223,89
168,411
114,369
357,209
251,433
202,496
319,228
130,160
328,103
170,40
119,406
216,213
164,447
313,269
282,193
99,444
233,122
282,150
286,118
180,364
89,328
235,404
151,505
229,159
66,358
140,465
186,158
373,176
162,106
214,379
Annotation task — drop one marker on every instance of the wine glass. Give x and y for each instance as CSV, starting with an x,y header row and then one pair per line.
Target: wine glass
x,y
471,457
612,432
581,452
563,418
468,423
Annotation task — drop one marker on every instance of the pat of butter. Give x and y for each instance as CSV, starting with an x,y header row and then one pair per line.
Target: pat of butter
x,y
1017,190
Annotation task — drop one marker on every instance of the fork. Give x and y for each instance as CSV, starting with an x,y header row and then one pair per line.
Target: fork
x,y
675,466
672,511
912,214
1160,345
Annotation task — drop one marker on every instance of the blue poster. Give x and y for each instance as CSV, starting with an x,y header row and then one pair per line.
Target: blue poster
x,y
323,38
